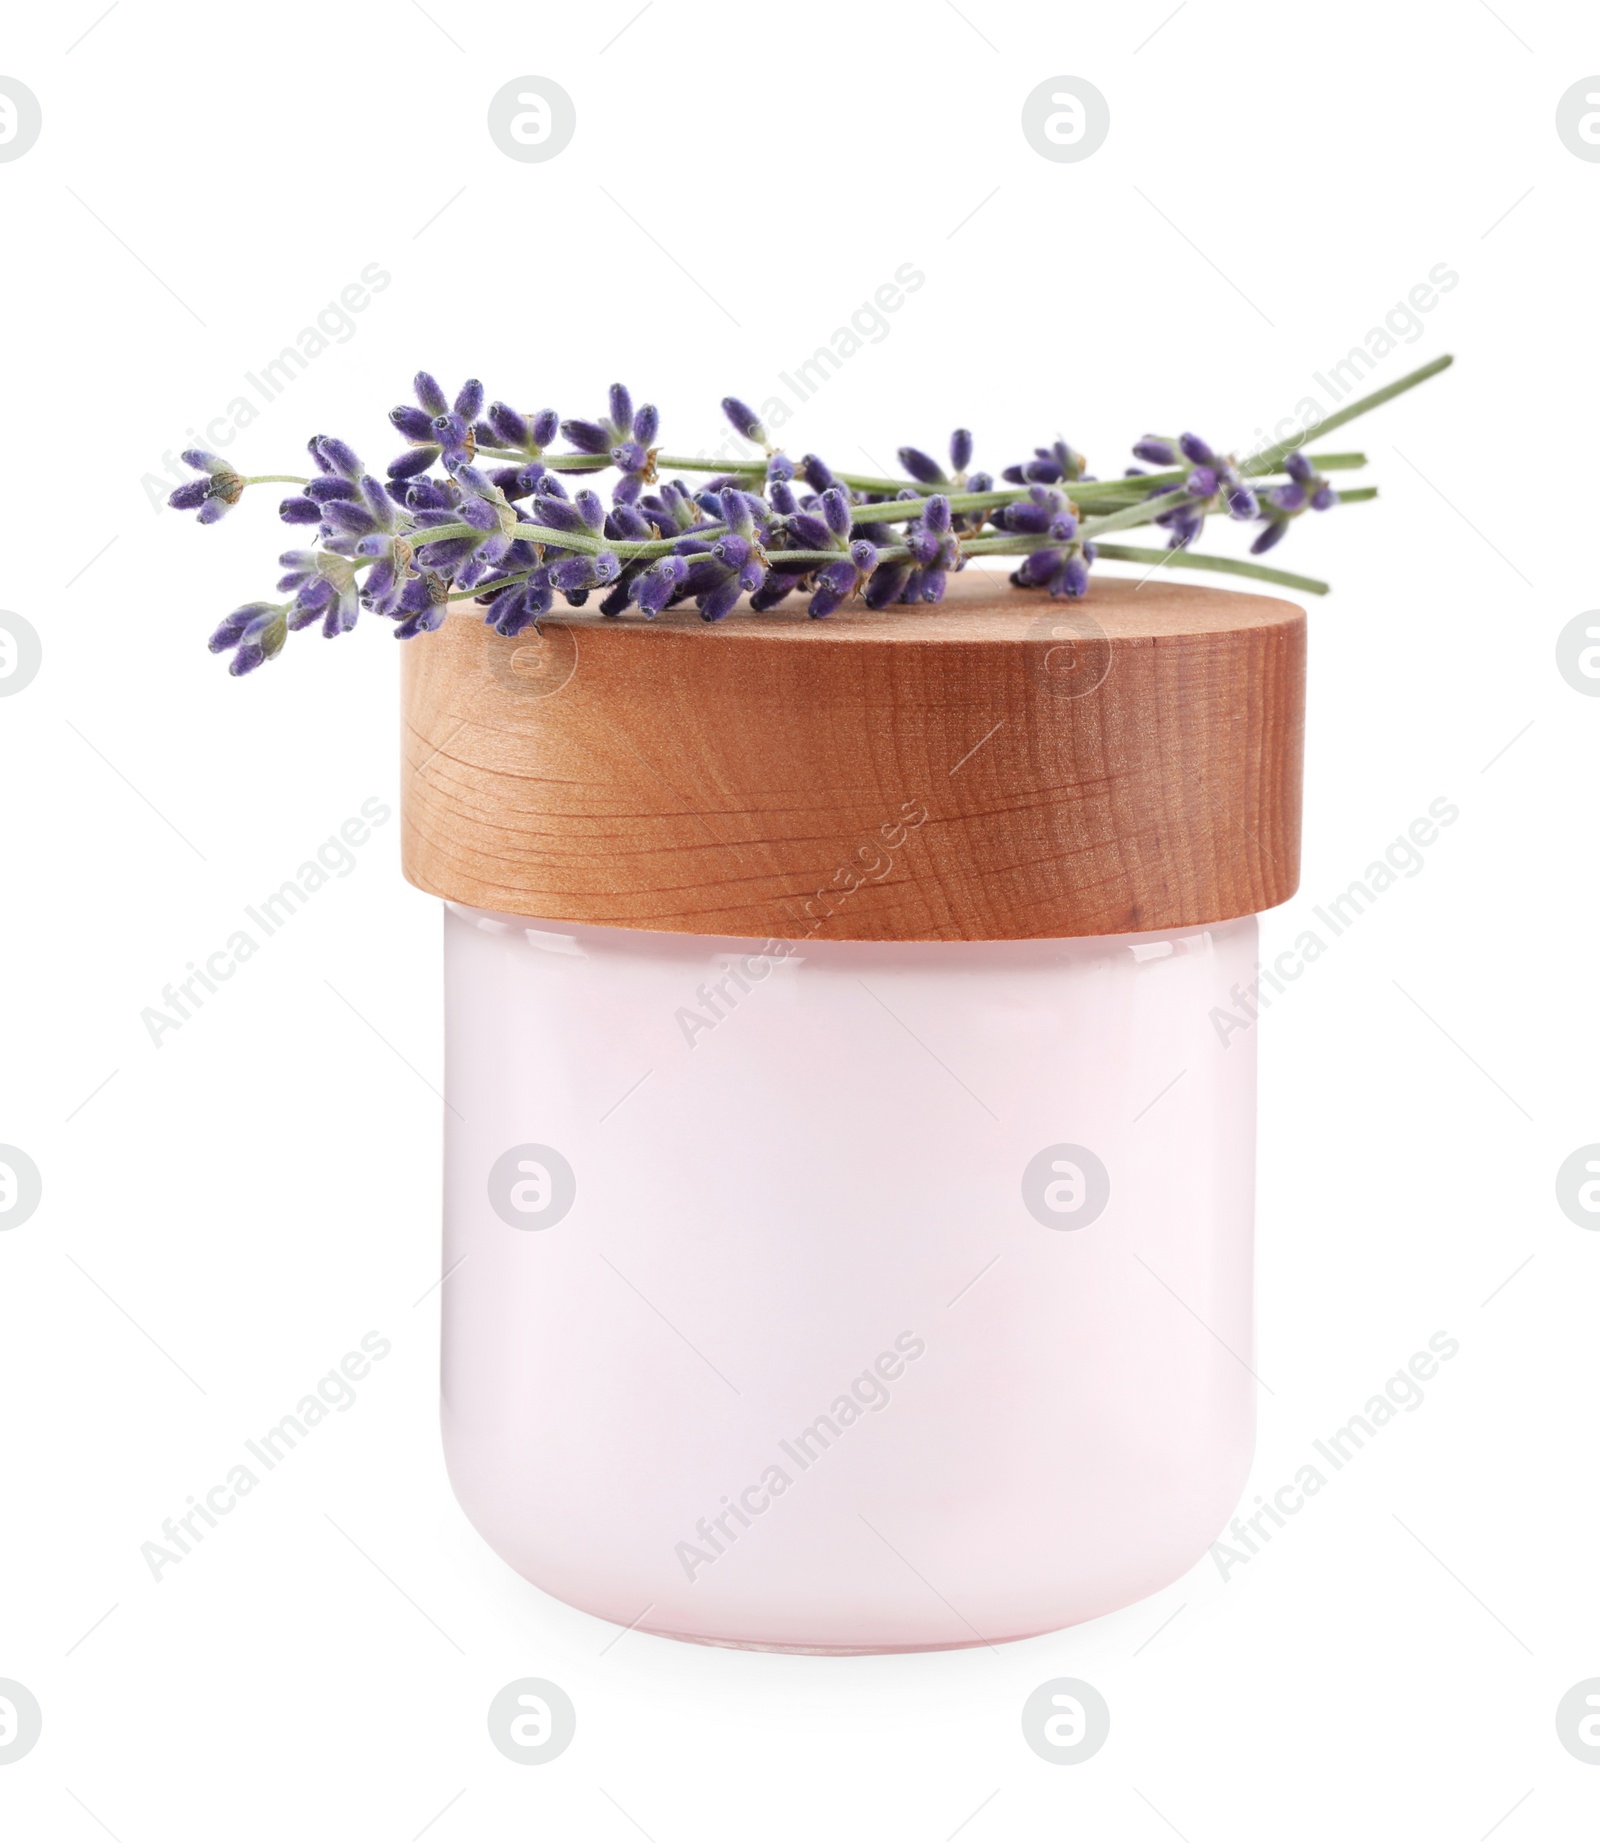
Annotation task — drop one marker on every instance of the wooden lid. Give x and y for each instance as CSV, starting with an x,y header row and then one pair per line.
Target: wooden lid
x,y
1000,766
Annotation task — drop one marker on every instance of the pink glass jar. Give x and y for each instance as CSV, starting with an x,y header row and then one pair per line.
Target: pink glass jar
x,y
846,1296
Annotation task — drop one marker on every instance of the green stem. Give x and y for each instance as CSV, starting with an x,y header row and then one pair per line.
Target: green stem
x,y
1141,514
1229,566
1269,459
286,479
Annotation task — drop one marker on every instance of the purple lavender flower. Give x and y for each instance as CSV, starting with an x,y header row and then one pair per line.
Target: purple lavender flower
x,y
520,604
1214,484
338,476
1216,479
816,473
836,582
626,524
935,550
436,428
626,436
922,468
1062,569
1183,522
473,500
746,421
1059,461
673,510
503,427
1043,507
736,563
1305,490
423,605
575,571
927,471
218,488
888,582
253,634
825,523
1157,450
656,587
325,589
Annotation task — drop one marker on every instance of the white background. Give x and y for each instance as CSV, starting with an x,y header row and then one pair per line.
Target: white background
x,y
227,1215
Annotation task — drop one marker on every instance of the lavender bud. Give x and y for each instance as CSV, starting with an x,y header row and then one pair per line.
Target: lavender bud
x,y
347,516
378,502
836,511
416,425
571,573
656,587
508,428
921,466
1271,535
428,394
777,585
630,524
1155,449
960,449
241,624
717,602
413,461
338,457
745,420
886,584
1195,450
587,437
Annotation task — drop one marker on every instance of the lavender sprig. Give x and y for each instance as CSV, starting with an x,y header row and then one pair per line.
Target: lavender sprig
x,y
476,509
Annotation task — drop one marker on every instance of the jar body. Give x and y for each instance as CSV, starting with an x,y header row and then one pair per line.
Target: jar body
x,y
847,1296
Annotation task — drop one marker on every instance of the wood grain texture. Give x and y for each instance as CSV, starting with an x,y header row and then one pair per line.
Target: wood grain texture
x,y
1129,762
